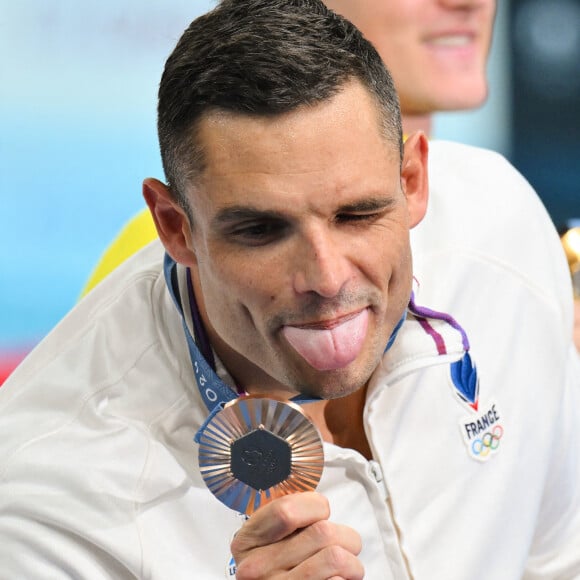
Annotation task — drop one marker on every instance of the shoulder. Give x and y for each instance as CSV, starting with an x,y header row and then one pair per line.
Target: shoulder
x,y
120,343
483,213
466,178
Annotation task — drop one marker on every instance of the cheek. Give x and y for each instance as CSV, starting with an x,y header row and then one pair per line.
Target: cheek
x,y
489,33
402,271
240,281
388,257
400,284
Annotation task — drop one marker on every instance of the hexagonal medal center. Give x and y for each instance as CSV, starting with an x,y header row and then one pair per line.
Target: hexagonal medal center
x,y
260,459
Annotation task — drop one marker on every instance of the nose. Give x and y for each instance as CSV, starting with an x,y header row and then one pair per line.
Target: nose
x,y
321,265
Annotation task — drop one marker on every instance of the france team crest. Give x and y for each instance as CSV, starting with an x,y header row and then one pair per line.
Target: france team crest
x,y
482,432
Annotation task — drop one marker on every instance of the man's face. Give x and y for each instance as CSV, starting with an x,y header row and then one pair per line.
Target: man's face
x,y
302,260
436,50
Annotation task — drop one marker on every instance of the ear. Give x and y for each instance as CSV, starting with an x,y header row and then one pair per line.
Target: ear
x,y
414,176
171,221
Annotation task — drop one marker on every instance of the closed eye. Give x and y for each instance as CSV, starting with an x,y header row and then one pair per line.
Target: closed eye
x,y
366,211
257,232
359,218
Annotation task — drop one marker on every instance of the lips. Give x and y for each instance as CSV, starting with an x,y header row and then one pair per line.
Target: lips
x,y
329,345
452,40
454,48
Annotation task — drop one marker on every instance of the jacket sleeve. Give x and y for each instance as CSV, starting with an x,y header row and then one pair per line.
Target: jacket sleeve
x,y
63,515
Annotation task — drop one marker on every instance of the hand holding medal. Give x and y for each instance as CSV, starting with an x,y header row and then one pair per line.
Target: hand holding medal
x,y
258,449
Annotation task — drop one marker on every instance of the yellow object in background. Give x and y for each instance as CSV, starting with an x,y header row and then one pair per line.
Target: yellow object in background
x,y
571,243
138,232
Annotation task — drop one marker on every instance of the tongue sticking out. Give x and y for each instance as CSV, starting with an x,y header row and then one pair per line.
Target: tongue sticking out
x,y
329,348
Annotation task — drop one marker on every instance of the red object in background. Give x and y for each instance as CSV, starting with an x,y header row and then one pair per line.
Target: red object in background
x,y
8,362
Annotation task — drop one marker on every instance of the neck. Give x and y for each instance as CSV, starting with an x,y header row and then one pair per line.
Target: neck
x,y
414,123
340,421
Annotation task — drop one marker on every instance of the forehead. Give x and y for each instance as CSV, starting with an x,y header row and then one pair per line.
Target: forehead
x,y
335,144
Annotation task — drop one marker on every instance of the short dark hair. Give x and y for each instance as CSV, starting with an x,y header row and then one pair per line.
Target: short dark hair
x,y
261,57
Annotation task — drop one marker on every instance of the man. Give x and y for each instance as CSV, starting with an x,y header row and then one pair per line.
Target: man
x,y
436,51
286,220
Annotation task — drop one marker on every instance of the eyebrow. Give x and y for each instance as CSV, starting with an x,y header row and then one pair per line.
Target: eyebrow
x,y
237,213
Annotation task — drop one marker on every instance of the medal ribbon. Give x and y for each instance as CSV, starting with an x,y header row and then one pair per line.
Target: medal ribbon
x,y
463,371
423,314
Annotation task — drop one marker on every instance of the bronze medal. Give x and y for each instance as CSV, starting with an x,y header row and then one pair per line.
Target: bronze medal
x,y
257,449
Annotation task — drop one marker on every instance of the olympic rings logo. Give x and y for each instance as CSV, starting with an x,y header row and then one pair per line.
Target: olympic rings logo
x,y
488,443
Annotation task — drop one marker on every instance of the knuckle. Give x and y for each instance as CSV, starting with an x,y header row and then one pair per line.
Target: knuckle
x,y
285,511
337,558
323,532
289,509
356,544
326,505
249,569
242,542
237,544
343,563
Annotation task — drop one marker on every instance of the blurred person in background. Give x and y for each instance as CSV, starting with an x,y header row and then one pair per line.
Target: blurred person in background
x,y
436,50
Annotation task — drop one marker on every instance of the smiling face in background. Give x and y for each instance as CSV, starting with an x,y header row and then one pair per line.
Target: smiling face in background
x,y
300,243
436,50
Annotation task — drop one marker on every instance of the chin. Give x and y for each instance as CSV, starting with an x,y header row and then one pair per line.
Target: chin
x,y
470,94
335,392
460,100
341,382
439,98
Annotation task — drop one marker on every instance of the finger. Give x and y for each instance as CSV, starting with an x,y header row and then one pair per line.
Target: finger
x,y
279,519
315,538
334,562
303,545
299,547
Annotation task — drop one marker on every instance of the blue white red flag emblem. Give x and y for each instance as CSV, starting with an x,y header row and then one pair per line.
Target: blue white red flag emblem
x,y
465,380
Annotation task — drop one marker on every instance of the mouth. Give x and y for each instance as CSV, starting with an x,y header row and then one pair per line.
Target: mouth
x,y
330,344
452,40
327,324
